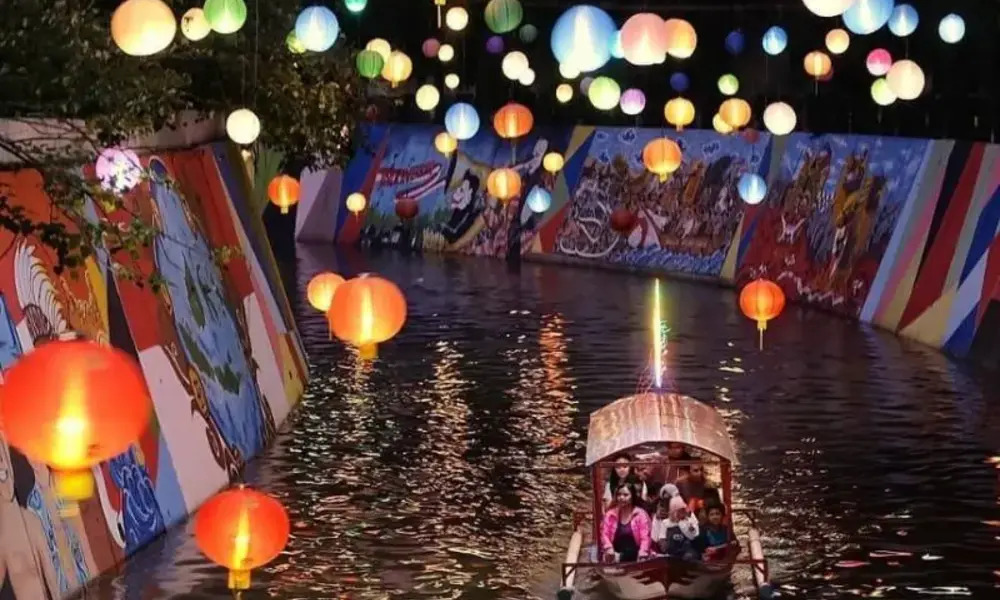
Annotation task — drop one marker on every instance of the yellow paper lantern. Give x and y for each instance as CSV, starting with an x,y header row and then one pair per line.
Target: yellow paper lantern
x,y
553,162
662,156
451,81
837,41
427,97
779,118
321,289
143,27
736,112
905,79
720,125
564,92
817,64
882,94
381,46
397,68
456,18
356,203
446,52
681,38
445,143
194,25
504,184
679,112
243,126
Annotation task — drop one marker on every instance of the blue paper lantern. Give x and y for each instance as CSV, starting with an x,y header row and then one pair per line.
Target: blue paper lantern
x,y
735,42
617,50
462,121
951,29
868,16
752,188
903,20
582,36
317,28
679,82
539,199
775,40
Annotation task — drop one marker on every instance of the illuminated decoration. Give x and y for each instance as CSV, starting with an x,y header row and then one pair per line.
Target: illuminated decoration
x,y
681,38
735,42
679,112
779,118
462,121
752,188
775,40
828,8
539,200
527,78
381,46
867,16
398,68
456,18
762,300
644,39
194,25
451,81
736,112
283,192
430,47
504,184
622,220
243,126
528,33
446,53
445,143
321,288
564,92
604,93
729,84
882,94
427,97
720,125
585,85
317,28
143,27
355,6
951,29
295,46
582,37
837,41
817,64
369,63
904,20
679,82
494,45
632,102
662,156
73,405
241,529
225,16
366,311
513,120
514,64
118,170
406,208
356,203
616,45
553,162
568,71
878,62
905,79
660,331
503,15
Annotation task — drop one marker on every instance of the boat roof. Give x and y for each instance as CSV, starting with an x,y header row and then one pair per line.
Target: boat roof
x,y
656,418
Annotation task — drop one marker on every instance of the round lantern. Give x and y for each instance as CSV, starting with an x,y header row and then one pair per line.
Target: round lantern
x,y
951,29
662,156
736,112
775,40
585,84
568,71
582,36
430,47
828,8
817,64
427,97
317,28
527,77
868,16
720,125
616,45
225,16
644,39
906,79
903,20
681,38
283,191
295,46
513,120
735,42
456,18
321,288
406,208
504,184
503,15
398,68
494,45
243,126
369,63
514,64
462,120
604,93
553,162
366,311
355,6
837,41
72,405
194,25
356,203
381,46
752,188
564,92
728,84
143,27
878,62
762,300
632,102
539,200
622,220
445,143
882,94
779,118
679,112
446,52
451,81
241,529
118,170
528,33
679,82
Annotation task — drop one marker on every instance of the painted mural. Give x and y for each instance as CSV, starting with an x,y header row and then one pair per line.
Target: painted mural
x,y
217,344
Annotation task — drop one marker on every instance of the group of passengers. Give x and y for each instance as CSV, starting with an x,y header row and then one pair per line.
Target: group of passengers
x,y
689,519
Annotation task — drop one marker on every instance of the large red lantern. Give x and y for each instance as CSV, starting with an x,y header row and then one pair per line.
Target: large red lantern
x,y
623,220
762,300
367,311
72,405
241,529
283,191
406,208
513,120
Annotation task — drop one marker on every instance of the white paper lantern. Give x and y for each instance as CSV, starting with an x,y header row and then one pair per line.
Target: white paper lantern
x,y
194,25
568,71
527,77
564,93
427,97
451,81
779,118
951,29
446,52
905,79
243,126
514,64
456,18
828,8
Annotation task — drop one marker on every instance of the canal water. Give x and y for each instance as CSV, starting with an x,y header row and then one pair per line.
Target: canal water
x,y
450,467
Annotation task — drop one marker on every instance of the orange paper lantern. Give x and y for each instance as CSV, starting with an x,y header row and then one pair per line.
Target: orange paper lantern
x,y
321,288
817,64
662,157
736,112
72,405
679,112
283,191
367,311
762,300
513,120
241,529
504,184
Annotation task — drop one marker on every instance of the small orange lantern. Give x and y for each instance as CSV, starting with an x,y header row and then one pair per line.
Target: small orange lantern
x,y
504,184
736,112
662,157
817,64
241,529
321,288
72,405
762,300
445,143
623,220
367,311
679,112
406,208
513,120
283,192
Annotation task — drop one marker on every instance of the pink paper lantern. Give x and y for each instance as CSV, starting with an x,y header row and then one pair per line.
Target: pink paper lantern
x,y
118,170
431,47
633,101
878,62
644,39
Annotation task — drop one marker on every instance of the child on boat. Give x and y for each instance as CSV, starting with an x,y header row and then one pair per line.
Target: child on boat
x,y
715,532
675,529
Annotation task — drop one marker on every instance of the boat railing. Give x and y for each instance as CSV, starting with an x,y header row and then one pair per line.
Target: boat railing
x,y
754,557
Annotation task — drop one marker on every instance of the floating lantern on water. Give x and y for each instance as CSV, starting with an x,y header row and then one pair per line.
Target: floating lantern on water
x,y
317,28
837,41
194,25
456,18
366,311
553,162
728,84
398,68
369,63
662,156
779,118
406,208
905,79
882,94
462,121
720,125
243,126
878,62
528,33
356,203
451,81
867,16
513,120
622,220
118,170
752,188
903,20
762,300
828,8
679,112
775,40
446,52
817,64
430,47
283,191
143,27
644,39
320,290
736,112
604,93
445,143
951,29
582,36
564,92
427,97
681,38
632,102
503,15
381,46
504,184
539,200
225,16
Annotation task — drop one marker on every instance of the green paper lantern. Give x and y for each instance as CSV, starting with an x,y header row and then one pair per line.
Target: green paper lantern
x,y
729,84
225,16
370,64
294,45
604,93
355,6
503,15
528,33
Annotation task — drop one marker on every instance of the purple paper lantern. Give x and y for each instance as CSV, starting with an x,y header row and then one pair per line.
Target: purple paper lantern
x,y
431,47
633,101
494,45
118,170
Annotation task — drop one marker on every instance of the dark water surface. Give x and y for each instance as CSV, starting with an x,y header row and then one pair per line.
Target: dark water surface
x,y
450,467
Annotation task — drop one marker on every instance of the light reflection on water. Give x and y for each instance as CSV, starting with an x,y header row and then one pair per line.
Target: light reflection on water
x,y
449,468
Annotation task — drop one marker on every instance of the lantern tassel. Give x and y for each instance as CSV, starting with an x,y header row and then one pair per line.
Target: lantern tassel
x,y
761,327
368,351
73,486
284,210
239,580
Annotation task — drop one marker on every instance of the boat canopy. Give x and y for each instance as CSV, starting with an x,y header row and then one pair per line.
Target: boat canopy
x,y
654,418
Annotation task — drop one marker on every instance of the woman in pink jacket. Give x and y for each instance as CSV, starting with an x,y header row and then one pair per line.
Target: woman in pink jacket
x,y
625,528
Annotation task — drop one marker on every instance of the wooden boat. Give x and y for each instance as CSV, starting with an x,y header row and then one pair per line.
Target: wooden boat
x,y
643,426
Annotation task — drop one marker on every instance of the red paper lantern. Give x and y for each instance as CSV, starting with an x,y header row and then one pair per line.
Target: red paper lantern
x,y
406,208
623,221
367,311
241,529
513,120
283,191
762,300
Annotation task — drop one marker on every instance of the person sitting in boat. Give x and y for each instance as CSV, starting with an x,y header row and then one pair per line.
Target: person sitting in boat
x,y
692,486
625,528
715,533
623,472
675,529
676,452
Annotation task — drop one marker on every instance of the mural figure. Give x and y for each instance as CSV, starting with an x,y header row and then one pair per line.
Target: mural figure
x,y
465,202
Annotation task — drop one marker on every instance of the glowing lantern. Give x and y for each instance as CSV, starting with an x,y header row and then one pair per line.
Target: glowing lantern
x,y
243,126
539,200
456,18
779,118
878,62
369,63
553,162
644,39
356,203
720,125
503,15
568,71
494,45
355,6
194,25
367,311
623,220
321,288
951,29
906,79
430,47
604,93
427,97
295,46
632,102
504,184
616,46
317,28
679,112
735,42
564,92
679,82
681,38
283,191
528,33
527,77
752,188
446,53
445,143
225,16
451,81
582,37
241,529
72,405
868,16
828,8
462,121
662,156
817,64
775,40
837,41
762,300
729,84
143,27
397,68
736,112
381,46
903,20
118,170
513,120
514,64
406,208
585,84
882,94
